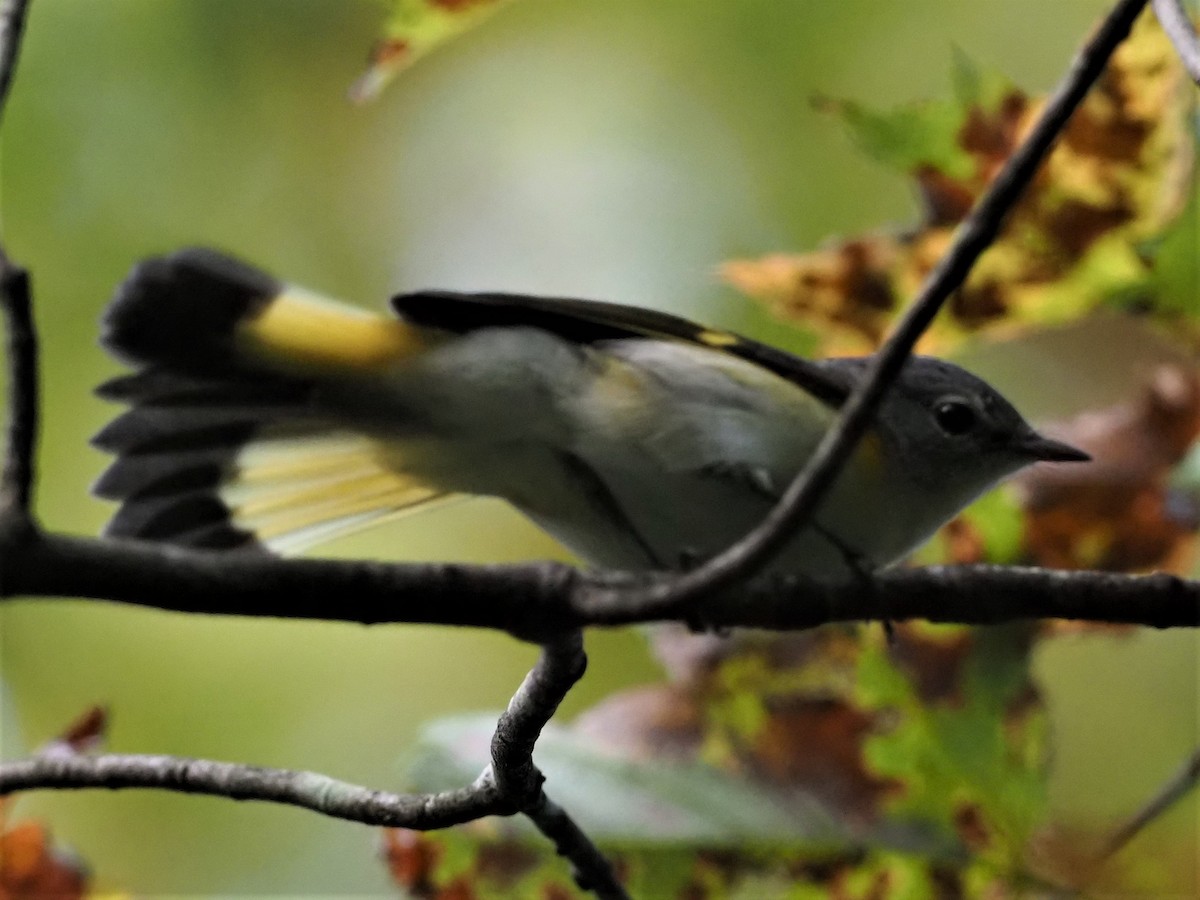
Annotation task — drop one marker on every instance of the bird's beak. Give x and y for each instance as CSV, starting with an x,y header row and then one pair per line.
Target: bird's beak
x,y
1044,449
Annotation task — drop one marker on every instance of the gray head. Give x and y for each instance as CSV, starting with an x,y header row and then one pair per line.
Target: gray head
x,y
952,432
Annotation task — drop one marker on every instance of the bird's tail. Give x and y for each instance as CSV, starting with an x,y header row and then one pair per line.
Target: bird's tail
x,y
222,445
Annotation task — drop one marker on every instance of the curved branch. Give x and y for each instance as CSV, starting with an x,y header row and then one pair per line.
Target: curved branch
x,y
560,666
307,790
795,509
12,29
510,785
16,480
1174,790
1179,29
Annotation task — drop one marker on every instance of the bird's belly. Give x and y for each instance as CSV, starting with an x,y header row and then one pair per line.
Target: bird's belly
x,y
677,521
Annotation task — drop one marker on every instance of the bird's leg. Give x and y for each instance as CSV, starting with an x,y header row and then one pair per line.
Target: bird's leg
x,y
689,559
861,571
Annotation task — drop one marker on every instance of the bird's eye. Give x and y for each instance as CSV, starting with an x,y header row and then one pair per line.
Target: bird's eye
x,y
955,416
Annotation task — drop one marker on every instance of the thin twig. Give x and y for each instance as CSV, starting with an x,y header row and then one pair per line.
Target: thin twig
x,y
1179,29
1176,788
749,555
17,478
12,29
307,790
593,872
16,482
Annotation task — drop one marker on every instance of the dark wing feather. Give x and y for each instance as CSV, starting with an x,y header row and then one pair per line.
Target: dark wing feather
x,y
592,321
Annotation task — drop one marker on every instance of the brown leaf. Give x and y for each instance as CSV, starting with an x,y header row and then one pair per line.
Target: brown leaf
x,y
1116,513
411,859
848,287
1121,175
972,828
30,869
933,659
83,735
816,746
963,543
501,863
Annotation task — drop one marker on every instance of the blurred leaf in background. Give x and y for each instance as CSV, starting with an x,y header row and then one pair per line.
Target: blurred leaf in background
x,y
413,28
1114,190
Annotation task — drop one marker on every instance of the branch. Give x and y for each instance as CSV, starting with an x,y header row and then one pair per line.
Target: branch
x,y
537,601
12,29
1174,790
16,480
1178,26
511,784
307,790
16,477
795,509
561,665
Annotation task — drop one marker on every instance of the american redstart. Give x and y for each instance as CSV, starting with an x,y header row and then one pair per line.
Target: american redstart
x,y
261,414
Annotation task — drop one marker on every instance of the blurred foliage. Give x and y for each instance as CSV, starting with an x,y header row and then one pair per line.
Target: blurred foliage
x,y
414,27
1108,202
30,866
823,764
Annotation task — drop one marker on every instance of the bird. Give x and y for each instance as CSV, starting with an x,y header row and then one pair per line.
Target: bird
x,y
265,417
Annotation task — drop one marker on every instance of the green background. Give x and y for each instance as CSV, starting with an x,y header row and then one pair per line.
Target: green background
x,y
615,149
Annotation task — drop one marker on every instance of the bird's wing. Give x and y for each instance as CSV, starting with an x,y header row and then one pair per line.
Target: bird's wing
x,y
591,322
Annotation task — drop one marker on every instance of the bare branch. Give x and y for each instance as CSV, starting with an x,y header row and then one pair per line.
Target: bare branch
x,y
592,871
16,481
12,29
1179,29
307,790
537,601
1170,793
511,784
562,663
560,666
804,494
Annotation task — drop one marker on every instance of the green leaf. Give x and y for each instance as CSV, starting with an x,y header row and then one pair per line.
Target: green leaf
x,y
1175,277
908,137
981,753
977,87
413,28
998,519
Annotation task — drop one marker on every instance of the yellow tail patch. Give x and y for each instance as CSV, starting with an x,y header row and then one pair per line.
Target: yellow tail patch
x,y
301,331
292,493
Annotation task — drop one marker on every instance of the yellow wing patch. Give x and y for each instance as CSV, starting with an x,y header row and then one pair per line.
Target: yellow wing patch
x,y
718,339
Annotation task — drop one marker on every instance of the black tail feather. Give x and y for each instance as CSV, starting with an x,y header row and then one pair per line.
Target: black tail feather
x,y
182,309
